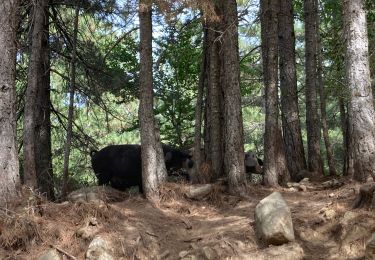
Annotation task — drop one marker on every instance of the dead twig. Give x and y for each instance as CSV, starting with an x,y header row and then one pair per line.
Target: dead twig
x,y
64,252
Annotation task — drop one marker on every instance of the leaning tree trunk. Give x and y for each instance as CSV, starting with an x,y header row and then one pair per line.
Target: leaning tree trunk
x,y
72,83
233,125
292,136
361,112
37,124
315,163
153,171
9,176
274,157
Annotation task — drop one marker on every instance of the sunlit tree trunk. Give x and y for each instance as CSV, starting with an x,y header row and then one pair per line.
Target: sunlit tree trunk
x,y
315,163
153,167
233,124
361,114
292,136
37,124
9,176
69,131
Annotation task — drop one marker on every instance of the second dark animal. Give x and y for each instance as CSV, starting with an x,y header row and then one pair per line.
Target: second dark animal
x,y
121,165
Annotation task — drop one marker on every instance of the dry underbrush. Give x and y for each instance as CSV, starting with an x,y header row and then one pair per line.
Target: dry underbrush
x,y
324,224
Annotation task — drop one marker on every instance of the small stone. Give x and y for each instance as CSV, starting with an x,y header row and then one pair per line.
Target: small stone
x,y
182,254
209,253
302,187
331,195
51,254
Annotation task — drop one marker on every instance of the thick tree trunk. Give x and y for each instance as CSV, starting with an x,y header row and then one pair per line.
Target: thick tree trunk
x,y
37,124
233,125
69,131
315,163
361,112
9,176
323,112
215,100
292,137
274,157
153,167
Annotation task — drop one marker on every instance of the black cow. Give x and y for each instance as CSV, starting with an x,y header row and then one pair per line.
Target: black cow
x,y
253,164
121,165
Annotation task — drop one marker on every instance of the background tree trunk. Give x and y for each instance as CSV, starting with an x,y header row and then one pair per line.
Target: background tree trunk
x,y
233,125
273,149
292,136
323,112
9,176
69,131
37,123
152,160
315,163
361,112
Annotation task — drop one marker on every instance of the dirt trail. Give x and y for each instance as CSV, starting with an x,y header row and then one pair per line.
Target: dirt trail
x,y
223,224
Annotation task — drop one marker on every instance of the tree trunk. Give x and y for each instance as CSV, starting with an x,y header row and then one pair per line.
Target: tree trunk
x,y
361,112
233,124
37,124
197,155
323,112
345,136
273,149
292,136
215,102
69,131
153,167
9,176
315,163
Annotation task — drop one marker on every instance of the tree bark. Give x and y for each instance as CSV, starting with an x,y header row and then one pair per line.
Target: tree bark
x,y
37,124
315,163
323,109
197,155
69,131
292,136
274,157
215,102
361,114
9,175
233,124
153,167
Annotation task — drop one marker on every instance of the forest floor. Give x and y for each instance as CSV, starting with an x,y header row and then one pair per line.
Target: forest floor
x,y
219,227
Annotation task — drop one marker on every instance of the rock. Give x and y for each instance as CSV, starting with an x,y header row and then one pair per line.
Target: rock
x,y
291,251
209,253
273,220
328,213
293,189
182,254
96,194
305,181
199,191
51,254
256,178
302,187
331,184
370,248
99,249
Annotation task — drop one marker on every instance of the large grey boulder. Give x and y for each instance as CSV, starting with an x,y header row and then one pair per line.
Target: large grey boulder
x,y
273,220
99,249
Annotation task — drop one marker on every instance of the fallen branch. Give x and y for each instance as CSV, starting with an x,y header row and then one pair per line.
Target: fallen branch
x,y
64,252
